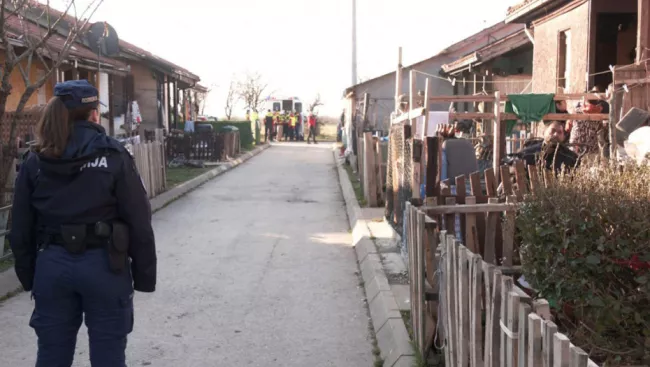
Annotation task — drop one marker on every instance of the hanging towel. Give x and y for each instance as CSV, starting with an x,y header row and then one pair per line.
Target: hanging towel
x,y
435,118
529,108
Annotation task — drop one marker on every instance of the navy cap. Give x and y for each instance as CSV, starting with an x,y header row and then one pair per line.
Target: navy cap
x,y
77,93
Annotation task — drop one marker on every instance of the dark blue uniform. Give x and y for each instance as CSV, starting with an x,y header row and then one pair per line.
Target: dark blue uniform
x,y
95,180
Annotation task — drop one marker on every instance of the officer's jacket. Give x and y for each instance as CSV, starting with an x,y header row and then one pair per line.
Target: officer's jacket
x,y
94,180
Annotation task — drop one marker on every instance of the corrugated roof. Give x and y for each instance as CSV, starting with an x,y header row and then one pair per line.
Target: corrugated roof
x,y
453,48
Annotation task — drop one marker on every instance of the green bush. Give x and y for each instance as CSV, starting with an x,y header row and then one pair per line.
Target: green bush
x,y
585,246
245,130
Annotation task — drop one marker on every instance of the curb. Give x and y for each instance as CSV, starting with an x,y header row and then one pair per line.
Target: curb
x,y
9,284
390,331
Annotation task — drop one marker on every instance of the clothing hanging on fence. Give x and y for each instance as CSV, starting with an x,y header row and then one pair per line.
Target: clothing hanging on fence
x,y
528,108
189,126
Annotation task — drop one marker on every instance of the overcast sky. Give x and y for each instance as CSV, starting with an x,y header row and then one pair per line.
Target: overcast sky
x,y
301,47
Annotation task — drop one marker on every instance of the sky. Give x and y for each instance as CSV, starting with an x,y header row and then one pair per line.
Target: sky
x,y
301,48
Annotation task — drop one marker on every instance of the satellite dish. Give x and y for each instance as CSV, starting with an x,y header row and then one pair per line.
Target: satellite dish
x,y
103,40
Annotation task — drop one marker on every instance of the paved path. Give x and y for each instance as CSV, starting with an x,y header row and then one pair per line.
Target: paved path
x,y
255,269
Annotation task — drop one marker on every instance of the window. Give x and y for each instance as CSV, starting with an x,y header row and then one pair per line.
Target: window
x,y
564,61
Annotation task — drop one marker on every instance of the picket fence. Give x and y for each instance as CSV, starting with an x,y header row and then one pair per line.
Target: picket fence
x,y
150,161
462,278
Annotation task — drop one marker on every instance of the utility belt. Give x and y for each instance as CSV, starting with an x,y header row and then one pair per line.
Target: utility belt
x,y
78,238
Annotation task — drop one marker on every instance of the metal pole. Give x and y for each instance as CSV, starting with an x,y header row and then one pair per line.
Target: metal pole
x,y
354,42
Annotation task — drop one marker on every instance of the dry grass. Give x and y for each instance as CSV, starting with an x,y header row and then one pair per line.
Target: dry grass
x,y
327,132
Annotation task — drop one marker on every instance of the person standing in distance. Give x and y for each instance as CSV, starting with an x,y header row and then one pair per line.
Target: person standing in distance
x,y
80,213
312,128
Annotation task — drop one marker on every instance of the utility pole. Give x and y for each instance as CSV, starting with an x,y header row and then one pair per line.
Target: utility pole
x,y
354,42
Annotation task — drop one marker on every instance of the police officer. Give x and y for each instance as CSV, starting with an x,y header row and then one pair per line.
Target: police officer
x,y
81,232
268,126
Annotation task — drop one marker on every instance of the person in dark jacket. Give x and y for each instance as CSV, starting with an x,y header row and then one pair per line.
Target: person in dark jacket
x,y
74,189
268,126
552,150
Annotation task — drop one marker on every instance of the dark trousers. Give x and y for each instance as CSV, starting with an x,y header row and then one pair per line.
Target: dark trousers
x,y
293,133
312,134
268,131
68,287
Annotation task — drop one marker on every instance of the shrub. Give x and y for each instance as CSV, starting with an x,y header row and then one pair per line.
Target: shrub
x,y
585,246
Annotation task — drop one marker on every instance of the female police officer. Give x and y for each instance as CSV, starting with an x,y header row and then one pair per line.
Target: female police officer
x,y
78,203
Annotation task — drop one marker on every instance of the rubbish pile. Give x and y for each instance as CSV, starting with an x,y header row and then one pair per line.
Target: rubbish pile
x,y
180,161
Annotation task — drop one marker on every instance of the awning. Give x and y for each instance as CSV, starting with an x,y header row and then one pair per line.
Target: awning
x,y
487,53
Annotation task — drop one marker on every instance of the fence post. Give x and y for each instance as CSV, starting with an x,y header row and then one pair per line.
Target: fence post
x,y
419,255
475,316
369,170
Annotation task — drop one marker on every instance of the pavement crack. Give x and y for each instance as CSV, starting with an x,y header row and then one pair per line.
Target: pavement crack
x,y
265,270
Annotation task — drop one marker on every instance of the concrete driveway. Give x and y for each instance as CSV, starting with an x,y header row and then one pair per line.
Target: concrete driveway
x,y
255,269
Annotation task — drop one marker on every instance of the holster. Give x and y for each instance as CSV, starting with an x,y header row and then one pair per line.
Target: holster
x,y
119,247
74,238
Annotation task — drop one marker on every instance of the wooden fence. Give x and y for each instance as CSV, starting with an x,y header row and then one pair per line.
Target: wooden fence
x,y
371,163
231,144
150,161
463,292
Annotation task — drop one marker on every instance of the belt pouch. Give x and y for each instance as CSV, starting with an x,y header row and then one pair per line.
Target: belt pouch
x,y
74,238
118,250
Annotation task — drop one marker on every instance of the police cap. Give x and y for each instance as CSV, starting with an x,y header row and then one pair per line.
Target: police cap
x,y
77,93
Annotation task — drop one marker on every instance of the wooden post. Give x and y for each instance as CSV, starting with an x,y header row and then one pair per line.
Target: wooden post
x,y
475,312
428,92
498,146
643,31
364,115
475,92
613,120
415,167
432,188
419,255
111,115
450,298
561,350
398,80
169,103
534,340
412,98
175,104
369,175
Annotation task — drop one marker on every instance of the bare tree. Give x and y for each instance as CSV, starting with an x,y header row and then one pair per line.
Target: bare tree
x,y
314,104
200,101
250,91
231,98
26,26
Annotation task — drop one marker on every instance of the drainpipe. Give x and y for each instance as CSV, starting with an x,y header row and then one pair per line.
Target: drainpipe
x,y
529,34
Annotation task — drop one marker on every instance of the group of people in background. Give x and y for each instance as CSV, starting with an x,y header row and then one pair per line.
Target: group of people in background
x,y
289,126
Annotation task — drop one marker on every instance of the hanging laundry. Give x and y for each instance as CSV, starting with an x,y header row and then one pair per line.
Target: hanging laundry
x,y
528,108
